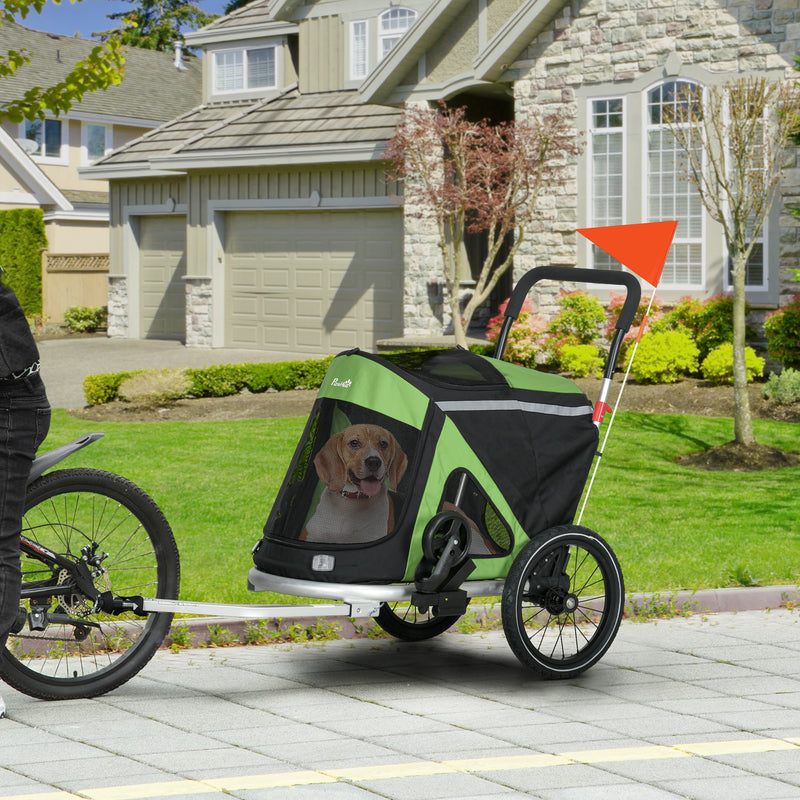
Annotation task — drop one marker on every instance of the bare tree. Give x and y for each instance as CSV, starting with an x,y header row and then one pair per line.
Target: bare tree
x,y
733,138
475,177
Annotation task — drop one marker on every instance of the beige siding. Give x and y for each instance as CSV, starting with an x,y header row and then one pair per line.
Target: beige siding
x,y
498,14
454,50
321,54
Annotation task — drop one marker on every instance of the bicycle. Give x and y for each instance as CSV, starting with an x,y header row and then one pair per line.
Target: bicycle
x,y
92,544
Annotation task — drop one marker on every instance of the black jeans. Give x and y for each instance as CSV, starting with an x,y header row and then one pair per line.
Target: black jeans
x,y
24,422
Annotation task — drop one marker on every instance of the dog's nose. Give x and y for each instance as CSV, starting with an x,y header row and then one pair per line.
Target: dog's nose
x,y
372,463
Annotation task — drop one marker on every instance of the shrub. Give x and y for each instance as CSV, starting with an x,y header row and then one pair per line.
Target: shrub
x,y
154,388
615,303
783,388
709,321
99,389
783,333
22,239
663,357
526,337
220,380
717,366
579,319
85,319
582,360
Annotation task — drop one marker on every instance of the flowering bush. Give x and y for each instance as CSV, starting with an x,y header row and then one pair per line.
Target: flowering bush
x,y
578,322
526,337
615,302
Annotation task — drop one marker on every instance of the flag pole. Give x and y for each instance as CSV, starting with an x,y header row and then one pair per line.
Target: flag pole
x,y
601,402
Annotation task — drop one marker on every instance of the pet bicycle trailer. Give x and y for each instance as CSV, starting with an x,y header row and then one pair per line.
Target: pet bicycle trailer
x,y
417,489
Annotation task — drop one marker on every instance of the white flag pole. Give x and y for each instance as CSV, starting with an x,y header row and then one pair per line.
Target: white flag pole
x,y
616,406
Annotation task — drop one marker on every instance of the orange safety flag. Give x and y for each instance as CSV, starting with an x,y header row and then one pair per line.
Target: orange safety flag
x,y
642,248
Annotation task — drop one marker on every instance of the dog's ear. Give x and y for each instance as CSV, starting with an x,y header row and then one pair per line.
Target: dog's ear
x,y
397,466
329,465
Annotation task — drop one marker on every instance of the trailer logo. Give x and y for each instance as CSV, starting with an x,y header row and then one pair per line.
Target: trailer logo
x,y
343,384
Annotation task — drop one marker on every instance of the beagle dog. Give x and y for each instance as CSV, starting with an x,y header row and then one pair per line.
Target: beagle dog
x,y
358,466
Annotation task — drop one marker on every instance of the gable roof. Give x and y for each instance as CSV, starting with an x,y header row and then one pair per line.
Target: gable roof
x,y
53,56
488,65
248,22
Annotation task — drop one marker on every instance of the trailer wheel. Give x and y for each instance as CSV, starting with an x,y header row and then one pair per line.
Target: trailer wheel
x,y
563,601
405,621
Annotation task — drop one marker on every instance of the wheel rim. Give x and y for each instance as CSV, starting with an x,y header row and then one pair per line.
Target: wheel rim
x,y
65,523
562,610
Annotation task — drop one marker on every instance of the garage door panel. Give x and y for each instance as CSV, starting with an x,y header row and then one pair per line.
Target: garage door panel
x,y
324,271
162,268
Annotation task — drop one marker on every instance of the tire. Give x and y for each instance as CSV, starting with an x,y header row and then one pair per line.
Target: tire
x,y
408,623
65,511
563,601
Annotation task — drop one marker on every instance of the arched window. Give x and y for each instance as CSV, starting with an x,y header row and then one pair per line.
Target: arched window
x,y
670,194
392,25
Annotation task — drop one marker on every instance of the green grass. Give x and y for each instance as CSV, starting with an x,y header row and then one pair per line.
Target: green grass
x,y
671,527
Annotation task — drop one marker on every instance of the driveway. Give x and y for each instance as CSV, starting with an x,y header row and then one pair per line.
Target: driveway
x,y
66,362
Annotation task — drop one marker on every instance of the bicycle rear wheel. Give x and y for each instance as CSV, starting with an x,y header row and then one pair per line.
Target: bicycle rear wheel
x,y
79,651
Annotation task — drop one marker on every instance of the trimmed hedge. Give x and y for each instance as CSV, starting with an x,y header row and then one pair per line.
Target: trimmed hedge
x,y
222,380
22,239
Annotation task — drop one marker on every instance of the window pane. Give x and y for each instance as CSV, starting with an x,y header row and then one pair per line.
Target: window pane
x,y
392,25
358,50
52,138
95,141
671,195
229,73
261,67
33,132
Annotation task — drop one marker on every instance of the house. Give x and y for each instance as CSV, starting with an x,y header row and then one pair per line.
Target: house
x,y
274,193
40,159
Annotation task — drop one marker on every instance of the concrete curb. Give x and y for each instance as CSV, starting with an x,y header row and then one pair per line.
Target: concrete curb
x,y
230,631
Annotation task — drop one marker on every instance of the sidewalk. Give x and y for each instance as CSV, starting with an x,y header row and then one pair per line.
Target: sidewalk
x,y
700,707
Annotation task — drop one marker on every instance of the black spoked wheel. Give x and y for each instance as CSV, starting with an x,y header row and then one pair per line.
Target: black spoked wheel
x,y
563,601
405,621
78,651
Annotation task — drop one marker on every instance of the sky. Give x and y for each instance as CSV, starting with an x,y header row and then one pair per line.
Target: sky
x,y
88,16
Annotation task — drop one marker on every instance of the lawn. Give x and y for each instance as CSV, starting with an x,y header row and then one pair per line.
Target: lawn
x,y
671,527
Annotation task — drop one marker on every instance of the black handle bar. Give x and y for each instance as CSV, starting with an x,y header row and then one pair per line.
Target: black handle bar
x,y
632,298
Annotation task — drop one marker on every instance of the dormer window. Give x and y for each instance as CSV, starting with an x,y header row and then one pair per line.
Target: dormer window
x,y
392,25
46,140
245,69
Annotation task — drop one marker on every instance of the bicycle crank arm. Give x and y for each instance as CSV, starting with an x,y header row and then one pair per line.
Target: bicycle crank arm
x,y
247,611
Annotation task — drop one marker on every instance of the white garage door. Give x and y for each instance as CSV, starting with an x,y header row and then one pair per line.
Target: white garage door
x,y
313,282
162,262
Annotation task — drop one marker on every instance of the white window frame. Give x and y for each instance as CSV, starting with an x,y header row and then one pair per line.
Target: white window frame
x,y
245,88
86,159
359,61
393,34
63,151
680,236
594,134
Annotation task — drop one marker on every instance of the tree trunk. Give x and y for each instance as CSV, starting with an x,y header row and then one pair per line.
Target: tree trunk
x,y
742,418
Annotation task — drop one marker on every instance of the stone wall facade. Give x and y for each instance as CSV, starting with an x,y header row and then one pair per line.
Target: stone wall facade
x,y
199,306
118,306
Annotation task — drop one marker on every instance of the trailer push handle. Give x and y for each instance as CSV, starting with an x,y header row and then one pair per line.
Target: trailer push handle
x,y
632,298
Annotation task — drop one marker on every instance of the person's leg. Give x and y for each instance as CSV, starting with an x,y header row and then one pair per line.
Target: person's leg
x,y
24,422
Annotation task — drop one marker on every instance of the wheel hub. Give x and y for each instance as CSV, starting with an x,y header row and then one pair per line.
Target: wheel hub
x,y
558,602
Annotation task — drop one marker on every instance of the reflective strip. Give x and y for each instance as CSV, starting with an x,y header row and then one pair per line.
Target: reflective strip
x,y
514,405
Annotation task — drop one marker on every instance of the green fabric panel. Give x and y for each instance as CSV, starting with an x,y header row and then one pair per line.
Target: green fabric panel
x,y
523,378
452,453
370,384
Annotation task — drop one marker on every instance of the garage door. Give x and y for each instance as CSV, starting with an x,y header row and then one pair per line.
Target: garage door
x,y
162,260
316,282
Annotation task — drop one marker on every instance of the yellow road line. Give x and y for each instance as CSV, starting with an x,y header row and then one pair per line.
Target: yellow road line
x,y
421,768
